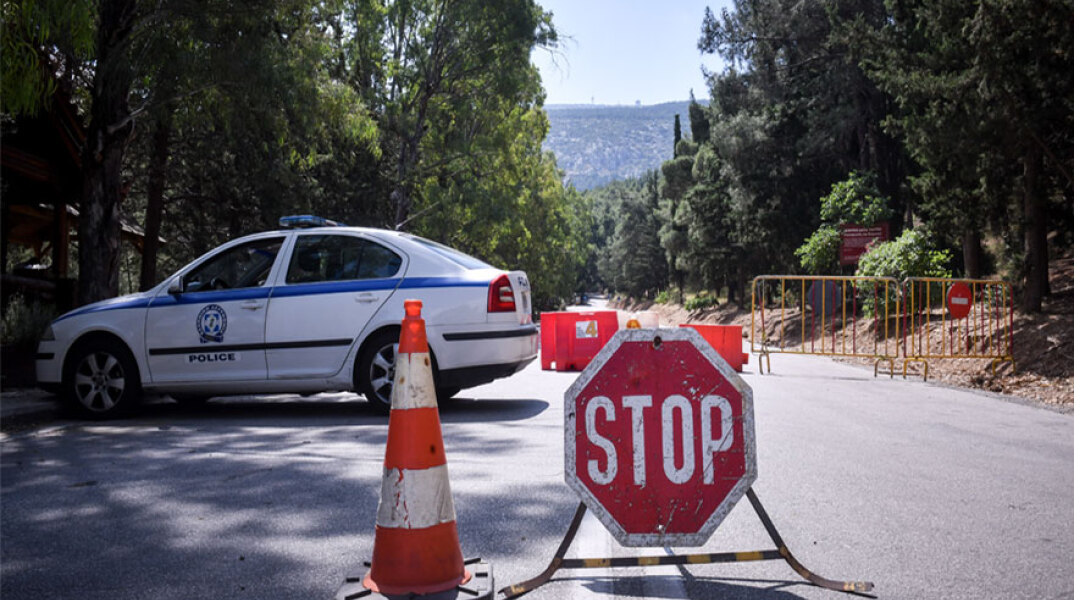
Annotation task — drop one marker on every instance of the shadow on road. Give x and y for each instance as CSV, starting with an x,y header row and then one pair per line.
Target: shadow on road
x,y
696,587
295,411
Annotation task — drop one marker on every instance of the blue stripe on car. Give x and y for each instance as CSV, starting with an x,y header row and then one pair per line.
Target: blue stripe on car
x,y
134,303
430,282
284,291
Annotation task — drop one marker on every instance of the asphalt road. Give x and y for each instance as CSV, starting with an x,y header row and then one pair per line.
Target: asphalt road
x,y
928,492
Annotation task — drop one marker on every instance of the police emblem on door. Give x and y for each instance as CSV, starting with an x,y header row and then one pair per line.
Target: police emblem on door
x,y
212,323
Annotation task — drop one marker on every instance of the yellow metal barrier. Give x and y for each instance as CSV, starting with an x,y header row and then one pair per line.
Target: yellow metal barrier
x,y
957,318
827,316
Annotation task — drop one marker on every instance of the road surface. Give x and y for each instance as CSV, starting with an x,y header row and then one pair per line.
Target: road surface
x,y
929,492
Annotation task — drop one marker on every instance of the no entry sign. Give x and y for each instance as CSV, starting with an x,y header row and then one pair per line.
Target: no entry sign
x,y
959,300
659,438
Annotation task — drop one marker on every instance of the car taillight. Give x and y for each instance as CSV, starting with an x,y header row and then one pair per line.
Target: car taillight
x,y
501,296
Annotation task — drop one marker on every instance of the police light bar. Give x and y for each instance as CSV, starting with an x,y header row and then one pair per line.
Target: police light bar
x,y
300,221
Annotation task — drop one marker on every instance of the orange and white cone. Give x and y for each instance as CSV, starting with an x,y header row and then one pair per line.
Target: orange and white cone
x,y
416,550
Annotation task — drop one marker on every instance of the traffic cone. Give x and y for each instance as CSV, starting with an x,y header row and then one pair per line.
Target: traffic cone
x,y
416,549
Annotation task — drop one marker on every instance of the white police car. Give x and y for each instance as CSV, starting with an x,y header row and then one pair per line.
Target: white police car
x,y
312,307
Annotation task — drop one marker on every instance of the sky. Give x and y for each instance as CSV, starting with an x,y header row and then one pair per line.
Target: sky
x,y
626,51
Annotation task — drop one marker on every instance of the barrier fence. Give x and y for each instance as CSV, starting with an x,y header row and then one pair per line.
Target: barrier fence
x,y
958,318
827,316
882,319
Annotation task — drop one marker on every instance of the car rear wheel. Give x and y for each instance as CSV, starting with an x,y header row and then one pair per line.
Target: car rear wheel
x,y
376,370
103,380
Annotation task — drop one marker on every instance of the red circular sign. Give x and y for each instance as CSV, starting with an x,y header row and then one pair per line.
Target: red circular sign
x,y
959,300
659,438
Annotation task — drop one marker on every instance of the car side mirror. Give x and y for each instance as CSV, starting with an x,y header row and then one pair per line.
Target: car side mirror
x,y
176,286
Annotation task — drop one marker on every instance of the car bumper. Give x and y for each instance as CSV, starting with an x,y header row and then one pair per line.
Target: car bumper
x,y
47,365
468,377
471,358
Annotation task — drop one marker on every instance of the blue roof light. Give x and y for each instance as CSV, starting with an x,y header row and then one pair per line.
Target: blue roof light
x,y
302,221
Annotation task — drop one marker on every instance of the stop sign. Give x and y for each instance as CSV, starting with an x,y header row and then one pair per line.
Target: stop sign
x,y
659,438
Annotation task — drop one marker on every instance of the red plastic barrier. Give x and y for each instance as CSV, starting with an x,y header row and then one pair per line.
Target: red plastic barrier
x,y
572,339
726,340
548,339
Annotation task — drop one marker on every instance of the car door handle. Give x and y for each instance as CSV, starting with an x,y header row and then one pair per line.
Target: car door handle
x,y
251,305
365,298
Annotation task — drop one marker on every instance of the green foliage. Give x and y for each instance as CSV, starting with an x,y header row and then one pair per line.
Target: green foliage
x,y
982,93
29,25
949,114
685,148
700,302
912,254
663,297
516,214
630,259
429,114
25,320
819,255
699,122
855,200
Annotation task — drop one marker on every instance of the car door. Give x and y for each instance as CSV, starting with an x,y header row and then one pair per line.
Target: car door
x,y
210,324
334,284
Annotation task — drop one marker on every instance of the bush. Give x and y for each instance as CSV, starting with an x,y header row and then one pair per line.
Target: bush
x,y
663,297
700,302
819,254
912,254
25,321
855,200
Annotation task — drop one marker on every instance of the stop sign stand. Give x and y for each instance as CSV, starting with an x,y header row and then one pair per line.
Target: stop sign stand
x,y
659,445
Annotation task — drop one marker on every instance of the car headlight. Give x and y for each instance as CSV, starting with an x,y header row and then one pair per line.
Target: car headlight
x,y
48,336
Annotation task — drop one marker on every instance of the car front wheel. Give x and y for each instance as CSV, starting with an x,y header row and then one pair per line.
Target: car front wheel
x,y
103,381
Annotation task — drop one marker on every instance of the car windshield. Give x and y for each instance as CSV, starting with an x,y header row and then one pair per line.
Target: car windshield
x,y
463,260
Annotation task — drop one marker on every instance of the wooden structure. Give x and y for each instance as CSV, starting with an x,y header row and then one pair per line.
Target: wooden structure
x,y
41,164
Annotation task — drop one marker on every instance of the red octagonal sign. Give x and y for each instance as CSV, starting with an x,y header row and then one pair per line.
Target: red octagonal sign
x,y
659,437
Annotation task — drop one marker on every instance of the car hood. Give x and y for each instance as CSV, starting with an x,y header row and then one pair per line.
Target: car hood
x,y
127,301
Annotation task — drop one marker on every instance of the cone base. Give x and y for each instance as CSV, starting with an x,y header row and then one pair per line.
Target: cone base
x,y
479,587
416,561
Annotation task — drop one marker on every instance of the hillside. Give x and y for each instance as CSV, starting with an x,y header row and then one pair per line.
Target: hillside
x,y
595,144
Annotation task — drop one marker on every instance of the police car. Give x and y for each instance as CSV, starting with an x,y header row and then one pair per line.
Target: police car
x,y
312,307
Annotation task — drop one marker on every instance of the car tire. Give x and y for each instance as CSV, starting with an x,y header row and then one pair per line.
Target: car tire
x,y
375,374
102,380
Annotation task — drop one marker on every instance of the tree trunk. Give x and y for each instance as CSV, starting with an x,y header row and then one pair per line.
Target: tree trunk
x,y
971,252
158,172
102,155
401,197
1036,241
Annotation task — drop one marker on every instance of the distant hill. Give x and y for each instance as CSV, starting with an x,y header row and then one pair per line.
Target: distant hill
x,y
597,143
